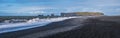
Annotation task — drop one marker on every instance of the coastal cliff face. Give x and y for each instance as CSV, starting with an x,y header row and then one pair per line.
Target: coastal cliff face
x,y
82,14
89,13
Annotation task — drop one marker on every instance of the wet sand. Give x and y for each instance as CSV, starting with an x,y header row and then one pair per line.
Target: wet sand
x,y
23,33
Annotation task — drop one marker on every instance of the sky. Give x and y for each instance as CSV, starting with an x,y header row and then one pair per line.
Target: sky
x,y
46,7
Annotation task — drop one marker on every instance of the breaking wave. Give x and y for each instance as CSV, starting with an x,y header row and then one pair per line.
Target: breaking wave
x,y
32,23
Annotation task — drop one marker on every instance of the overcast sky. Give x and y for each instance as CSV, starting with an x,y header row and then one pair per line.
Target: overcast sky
x,y
35,7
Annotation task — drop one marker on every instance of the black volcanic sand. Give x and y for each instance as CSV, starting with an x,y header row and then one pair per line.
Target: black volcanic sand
x,y
98,27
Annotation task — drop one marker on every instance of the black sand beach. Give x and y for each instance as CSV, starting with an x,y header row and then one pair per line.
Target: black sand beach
x,y
98,27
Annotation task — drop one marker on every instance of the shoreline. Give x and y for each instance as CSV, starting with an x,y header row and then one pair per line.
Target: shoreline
x,y
20,33
90,26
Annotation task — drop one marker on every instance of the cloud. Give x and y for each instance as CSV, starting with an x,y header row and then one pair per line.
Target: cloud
x,y
56,6
34,10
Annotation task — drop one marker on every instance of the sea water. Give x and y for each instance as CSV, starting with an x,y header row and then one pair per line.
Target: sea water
x,y
32,23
